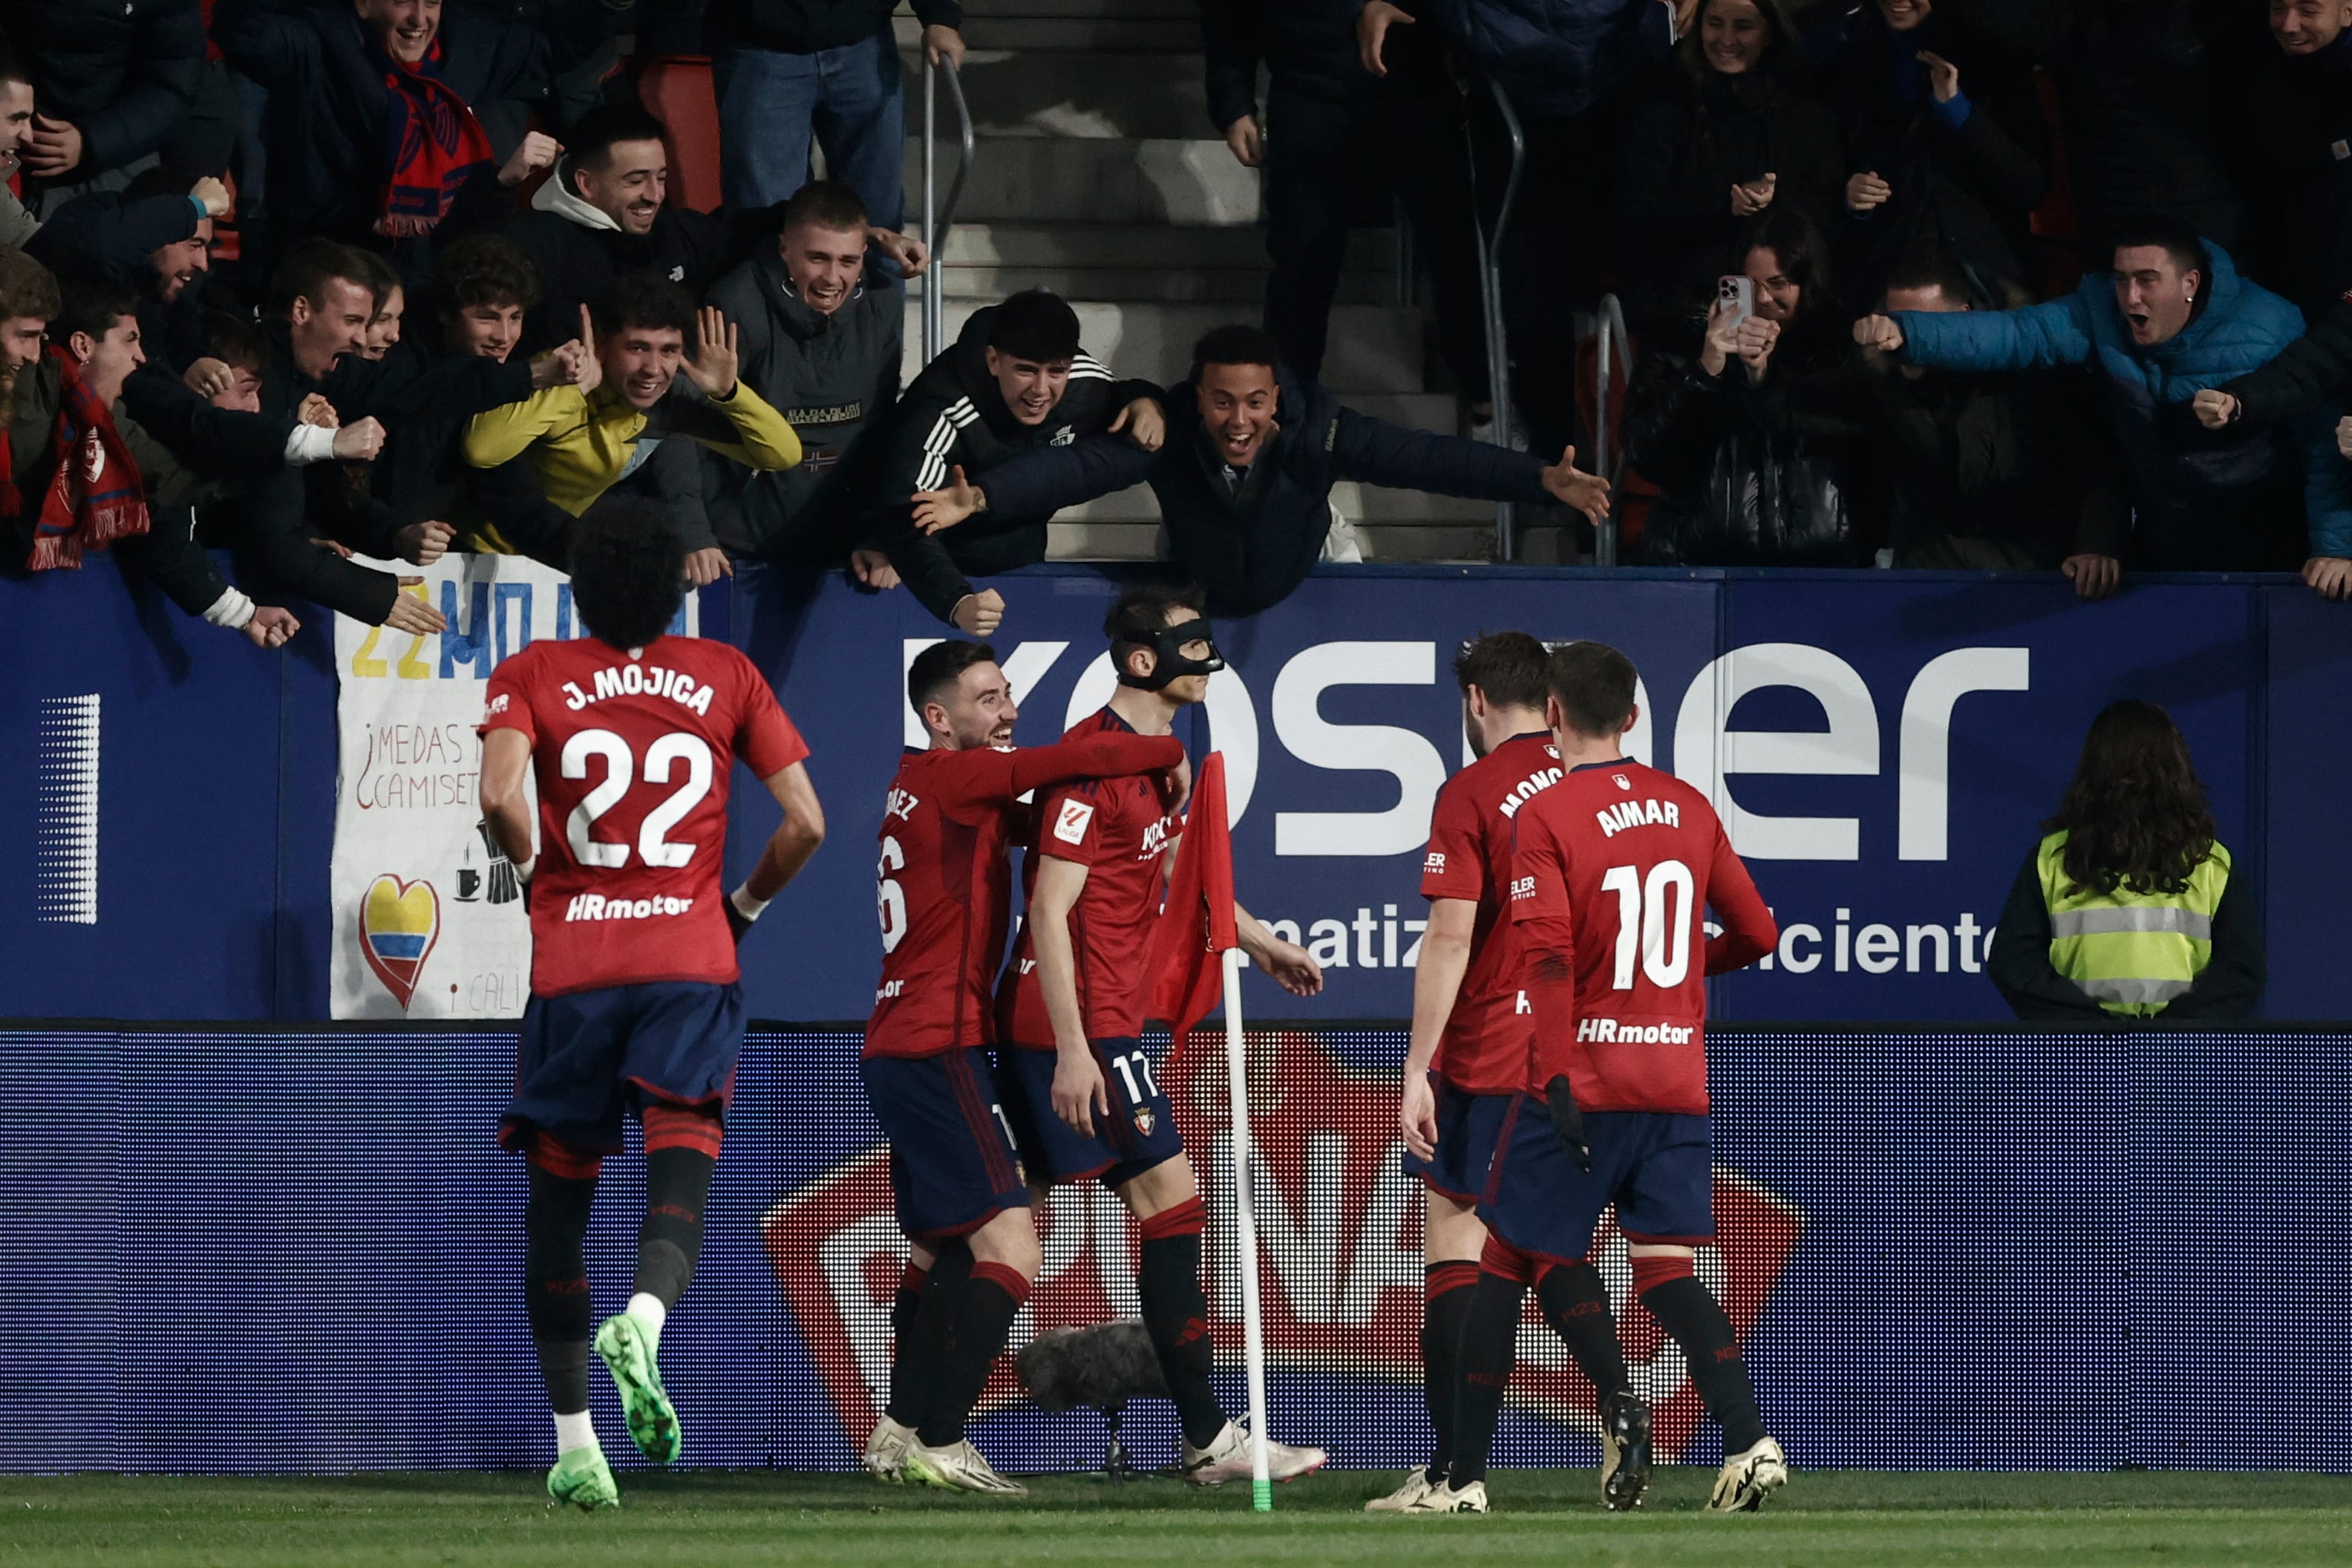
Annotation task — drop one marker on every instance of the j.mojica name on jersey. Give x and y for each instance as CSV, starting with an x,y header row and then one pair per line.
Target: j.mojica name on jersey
x,y
1384,938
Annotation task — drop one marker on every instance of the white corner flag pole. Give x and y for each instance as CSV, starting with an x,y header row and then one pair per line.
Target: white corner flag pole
x,y
1246,1228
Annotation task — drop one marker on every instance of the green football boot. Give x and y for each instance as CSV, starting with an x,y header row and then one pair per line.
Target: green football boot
x,y
627,1347
583,1479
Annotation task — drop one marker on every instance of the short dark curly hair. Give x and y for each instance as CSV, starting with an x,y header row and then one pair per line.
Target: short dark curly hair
x,y
645,298
628,570
484,269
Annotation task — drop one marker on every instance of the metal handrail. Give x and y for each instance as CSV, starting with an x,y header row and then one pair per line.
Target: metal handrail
x,y
938,215
1490,291
1613,330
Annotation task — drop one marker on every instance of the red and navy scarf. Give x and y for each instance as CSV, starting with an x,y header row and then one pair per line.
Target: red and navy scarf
x,y
433,144
95,495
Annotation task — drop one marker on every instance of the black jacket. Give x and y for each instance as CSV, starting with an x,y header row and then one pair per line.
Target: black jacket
x,y
1967,189
99,233
1679,160
2312,372
1309,47
1251,538
2018,962
263,522
422,474
805,26
1747,478
2144,119
123,70
953,416
2299,130
325,127
579,256
2020,460
834,378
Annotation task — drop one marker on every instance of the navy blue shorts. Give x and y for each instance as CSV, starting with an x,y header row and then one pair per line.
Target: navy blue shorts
x,y
1658,1168
1467,1127
952,1164
590,1058
1139,1132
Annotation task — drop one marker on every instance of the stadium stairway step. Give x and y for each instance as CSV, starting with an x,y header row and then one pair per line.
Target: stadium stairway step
x,y
1098,174
1117,262
1099,179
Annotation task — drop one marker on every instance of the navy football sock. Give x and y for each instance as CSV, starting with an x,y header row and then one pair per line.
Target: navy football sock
x,y
555,1283
1176,1316
678,1186
1575,1304
1490,1333
984,1316
1447,1307
1688,1313
918,1355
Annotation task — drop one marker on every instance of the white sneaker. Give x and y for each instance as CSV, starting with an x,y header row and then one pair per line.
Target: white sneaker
x,y
1227,1458
958,1468
1416,1487
1471,1498
886,1450
1748,1479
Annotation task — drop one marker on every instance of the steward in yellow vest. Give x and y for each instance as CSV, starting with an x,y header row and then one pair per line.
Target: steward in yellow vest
x,y
2126,908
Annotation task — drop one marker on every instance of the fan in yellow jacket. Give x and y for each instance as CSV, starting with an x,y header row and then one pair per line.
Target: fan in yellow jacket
x,y
623,418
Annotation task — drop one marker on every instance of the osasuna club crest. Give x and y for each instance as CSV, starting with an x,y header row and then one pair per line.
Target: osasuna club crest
x,y
1146,1120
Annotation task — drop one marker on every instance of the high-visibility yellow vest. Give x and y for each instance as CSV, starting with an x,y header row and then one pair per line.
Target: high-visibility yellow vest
x,y
2134,952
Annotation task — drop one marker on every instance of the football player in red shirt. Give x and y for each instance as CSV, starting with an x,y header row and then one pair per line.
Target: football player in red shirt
x,y
1470,1020
631,736
1611,871
1080,1090
945,891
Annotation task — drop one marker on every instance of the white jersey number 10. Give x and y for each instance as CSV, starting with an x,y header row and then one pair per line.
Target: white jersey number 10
x,y
1653,917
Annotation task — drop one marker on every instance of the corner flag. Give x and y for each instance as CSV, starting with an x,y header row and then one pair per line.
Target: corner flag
x,y
1197,925
1195,960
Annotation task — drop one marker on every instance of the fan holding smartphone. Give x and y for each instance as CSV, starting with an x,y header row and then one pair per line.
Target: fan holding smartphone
x,y
1734,329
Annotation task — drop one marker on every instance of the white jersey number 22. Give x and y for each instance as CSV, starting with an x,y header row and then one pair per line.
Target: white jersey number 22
x,y
620,772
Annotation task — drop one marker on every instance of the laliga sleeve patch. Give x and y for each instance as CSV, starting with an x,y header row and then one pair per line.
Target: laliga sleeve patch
x,y
1070,827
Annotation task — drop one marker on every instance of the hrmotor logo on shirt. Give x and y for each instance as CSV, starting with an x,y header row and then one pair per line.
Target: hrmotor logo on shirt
x,y
1340,1265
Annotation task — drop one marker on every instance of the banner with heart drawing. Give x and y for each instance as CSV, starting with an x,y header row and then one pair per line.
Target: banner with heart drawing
x,y
429,917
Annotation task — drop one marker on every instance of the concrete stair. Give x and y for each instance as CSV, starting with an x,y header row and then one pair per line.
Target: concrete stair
x,y
1097,174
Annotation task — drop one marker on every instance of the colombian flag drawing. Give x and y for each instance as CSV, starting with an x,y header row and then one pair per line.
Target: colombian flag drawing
x,y
399,922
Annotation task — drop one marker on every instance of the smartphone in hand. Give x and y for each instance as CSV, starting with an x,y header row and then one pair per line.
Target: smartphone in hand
x,y
1737,296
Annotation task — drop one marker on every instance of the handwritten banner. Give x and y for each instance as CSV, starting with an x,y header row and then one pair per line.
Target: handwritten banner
x,y
429,918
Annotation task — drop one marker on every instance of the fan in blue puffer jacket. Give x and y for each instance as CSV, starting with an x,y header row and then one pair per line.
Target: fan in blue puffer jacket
x,y
2173,319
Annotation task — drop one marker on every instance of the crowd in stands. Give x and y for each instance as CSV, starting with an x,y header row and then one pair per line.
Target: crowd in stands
x,y
2028,281
2035,284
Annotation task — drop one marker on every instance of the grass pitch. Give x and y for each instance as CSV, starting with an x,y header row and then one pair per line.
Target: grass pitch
x,y
1833,1518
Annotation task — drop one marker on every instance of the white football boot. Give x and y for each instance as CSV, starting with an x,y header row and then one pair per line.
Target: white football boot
x,y
1748,1479
1471,1498
1416,1487
958,1468
1227,1458
886,1450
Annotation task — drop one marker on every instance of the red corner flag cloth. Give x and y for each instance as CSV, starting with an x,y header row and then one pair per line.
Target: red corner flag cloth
x,y
1197,926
